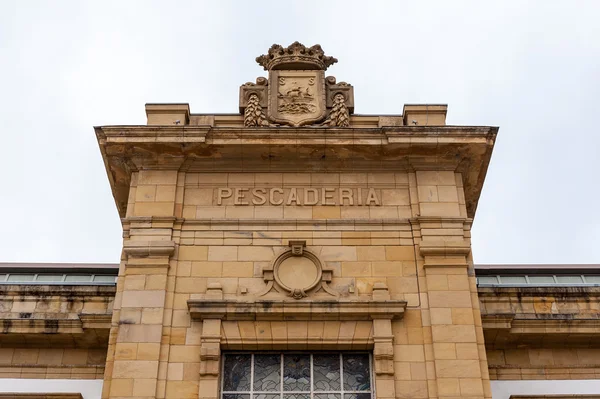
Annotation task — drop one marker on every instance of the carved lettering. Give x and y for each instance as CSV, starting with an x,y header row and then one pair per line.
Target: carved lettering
x,y
346,194
239,196
272,196
372,198
223,193
328,196
300,196
292,197
315,196
259,196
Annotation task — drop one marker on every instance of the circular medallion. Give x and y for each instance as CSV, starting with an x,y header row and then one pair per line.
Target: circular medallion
x,y
297,273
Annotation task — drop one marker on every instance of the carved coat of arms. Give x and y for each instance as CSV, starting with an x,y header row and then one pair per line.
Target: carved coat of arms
x,y
297,97
297,92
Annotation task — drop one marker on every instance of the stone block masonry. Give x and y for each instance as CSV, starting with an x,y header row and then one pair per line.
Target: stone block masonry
x,y
296,226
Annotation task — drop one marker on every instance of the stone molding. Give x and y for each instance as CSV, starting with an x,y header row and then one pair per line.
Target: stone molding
x,y
492,294
303,224
36,292
142,249
55,324
431,247
540,324
340,309
152,134
14,395
213,310
556,396
536,315
95,320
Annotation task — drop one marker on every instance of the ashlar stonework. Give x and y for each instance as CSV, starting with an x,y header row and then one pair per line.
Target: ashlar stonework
x,y
296,225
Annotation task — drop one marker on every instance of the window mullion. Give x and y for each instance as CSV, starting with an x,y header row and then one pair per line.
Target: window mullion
x,y
341,376
251,375
312,380
372,381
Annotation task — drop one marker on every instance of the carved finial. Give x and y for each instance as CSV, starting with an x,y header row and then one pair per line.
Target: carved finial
x,y
339,115
254,115
295,56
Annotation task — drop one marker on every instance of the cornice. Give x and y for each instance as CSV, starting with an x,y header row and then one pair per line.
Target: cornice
x,y
71,291
55,324
95,320
529,293
148,248
202,148
444,248
204,133
231,309
152,134
19,395
540,323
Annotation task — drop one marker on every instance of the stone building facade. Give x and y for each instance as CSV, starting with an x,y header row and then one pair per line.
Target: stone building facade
x,y
298,250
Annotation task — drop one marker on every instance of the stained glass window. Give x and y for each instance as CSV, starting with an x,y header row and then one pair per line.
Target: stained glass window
x,y
297,376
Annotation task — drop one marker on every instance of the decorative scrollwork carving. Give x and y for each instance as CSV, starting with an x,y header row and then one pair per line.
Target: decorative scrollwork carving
x,y
254,115
339,115
260,81
298,293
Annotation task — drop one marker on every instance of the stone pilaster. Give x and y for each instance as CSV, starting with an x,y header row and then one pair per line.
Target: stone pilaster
x,y
456,358
138,353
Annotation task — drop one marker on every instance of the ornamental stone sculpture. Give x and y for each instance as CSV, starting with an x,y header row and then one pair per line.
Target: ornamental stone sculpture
x,y
296,92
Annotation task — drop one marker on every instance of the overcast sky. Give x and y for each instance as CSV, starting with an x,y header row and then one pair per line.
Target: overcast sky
x,y
532,68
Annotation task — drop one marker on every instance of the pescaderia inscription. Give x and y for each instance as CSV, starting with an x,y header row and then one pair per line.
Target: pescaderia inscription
x,y
307,196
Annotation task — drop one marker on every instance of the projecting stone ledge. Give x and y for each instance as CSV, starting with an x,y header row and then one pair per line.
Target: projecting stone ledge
x,y
226,309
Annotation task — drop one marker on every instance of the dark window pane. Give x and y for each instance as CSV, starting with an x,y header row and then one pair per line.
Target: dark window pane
x,y
267,372
235,396
236,373
296,373
297,396
326,372
356,373
327,396
357,396
266,396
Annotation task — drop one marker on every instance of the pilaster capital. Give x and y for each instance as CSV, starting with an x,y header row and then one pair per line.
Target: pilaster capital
x,y
142,249
436,247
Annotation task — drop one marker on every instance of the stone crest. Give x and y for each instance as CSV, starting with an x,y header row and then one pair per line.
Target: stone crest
x,y
297,98
296,92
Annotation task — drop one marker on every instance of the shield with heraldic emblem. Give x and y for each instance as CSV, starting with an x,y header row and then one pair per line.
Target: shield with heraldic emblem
x,y
296,97
296,92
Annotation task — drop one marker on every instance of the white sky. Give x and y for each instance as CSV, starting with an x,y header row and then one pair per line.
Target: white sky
x,y
532,68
